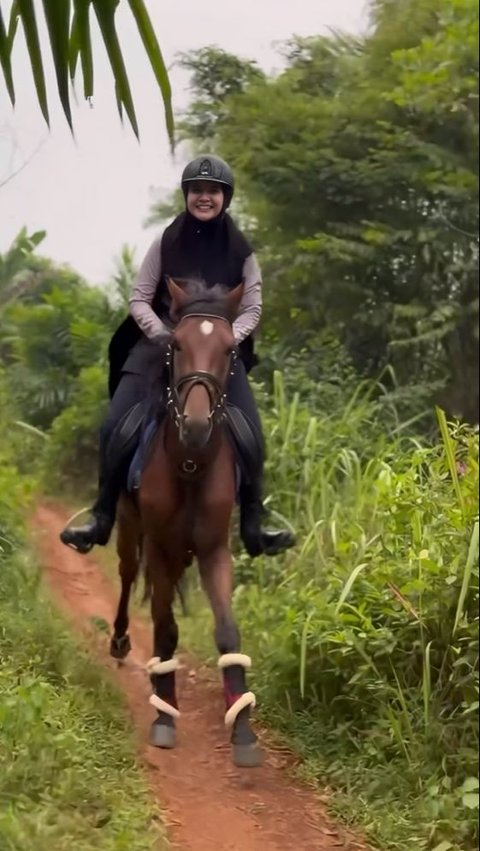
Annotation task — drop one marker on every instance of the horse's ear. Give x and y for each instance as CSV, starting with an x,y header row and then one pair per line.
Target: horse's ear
x,y
178,296
234,299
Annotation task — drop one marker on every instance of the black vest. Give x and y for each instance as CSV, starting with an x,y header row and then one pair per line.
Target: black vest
x,y
218,257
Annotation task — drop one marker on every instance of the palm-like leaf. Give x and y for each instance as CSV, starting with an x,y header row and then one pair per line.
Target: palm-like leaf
x,y
5,59
68,25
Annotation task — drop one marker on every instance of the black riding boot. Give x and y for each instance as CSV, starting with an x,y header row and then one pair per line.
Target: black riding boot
x,y
259,541
99,529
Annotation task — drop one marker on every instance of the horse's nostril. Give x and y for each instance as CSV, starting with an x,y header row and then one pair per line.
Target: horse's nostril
x,y
195,432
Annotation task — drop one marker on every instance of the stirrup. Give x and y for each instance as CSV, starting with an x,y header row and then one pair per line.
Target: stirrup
x,y
84,538
69,537
83,549
275,542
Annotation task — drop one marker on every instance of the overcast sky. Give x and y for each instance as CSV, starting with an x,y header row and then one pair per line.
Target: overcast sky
x,y
92,194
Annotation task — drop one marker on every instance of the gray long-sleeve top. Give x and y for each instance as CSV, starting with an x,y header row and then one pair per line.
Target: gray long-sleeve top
x,y
146,283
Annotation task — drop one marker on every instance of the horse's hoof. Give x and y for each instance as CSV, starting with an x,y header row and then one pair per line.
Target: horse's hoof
x,y
120,647
162,736
247,756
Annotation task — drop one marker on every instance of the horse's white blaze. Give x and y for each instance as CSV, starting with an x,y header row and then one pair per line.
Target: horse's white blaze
x,y
206,327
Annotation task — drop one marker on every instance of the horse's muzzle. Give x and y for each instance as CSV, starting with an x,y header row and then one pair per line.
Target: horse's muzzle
x,y
195,432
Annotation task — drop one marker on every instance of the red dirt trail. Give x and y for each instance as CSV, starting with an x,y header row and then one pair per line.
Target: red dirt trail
x,y
208,804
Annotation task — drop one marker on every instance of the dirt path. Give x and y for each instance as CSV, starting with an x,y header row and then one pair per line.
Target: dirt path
x,y
209,804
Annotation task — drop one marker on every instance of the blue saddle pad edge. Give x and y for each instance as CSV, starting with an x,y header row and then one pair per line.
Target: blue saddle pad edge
x,y
136,466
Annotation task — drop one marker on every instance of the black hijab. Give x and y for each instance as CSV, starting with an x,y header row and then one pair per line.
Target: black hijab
x,y
214,251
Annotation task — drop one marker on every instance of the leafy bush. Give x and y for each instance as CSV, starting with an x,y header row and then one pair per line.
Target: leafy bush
x,y
71,453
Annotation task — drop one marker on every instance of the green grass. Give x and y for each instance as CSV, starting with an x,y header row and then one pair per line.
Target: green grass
x,y
68,775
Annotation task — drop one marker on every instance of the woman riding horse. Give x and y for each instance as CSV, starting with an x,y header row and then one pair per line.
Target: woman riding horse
x,y
204,243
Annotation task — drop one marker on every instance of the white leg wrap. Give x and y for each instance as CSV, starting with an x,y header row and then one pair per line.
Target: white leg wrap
x,y
229,659
247,699
156,666
163,706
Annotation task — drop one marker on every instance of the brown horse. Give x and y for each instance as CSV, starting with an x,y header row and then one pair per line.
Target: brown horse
x,y
184,507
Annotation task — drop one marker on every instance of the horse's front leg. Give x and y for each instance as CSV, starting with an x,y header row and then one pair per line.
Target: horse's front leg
x,y
163,664
216,571
128,550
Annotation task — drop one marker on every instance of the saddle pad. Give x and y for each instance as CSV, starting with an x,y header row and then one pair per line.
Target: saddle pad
x,y
136,467
245,442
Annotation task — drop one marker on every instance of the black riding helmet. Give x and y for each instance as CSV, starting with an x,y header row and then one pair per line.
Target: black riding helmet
x,y
212,169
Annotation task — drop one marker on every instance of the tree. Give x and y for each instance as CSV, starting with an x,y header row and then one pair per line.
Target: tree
x,y
123,278
53,326
70,42
215,76
14,270
361,174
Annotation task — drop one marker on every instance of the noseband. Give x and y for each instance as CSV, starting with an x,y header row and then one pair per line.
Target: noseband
x,y
195,378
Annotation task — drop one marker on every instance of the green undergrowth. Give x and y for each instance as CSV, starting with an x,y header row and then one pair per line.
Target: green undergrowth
x,y
68,776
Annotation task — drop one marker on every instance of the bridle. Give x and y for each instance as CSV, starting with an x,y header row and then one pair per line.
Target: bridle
x,y
212,385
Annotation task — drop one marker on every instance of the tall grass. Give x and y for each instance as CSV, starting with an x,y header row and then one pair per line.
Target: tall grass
x,y
68,775
365,637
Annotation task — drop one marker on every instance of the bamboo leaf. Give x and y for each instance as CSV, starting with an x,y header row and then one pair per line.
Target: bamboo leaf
x,y
57,16
427,683
105,12
32,429
147,34
119,103
73,48
29,23
82,8
450,453
5,59
467,574
303,654
13,22
349,585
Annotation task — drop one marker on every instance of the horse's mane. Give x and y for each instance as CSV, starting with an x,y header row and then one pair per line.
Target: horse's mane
x,y
203,298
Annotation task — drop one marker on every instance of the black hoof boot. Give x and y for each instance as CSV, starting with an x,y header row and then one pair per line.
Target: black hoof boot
x,y
120,646
247,756
163,733
246,751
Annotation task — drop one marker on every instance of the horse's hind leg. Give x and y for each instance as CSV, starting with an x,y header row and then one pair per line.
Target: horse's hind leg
x,y
216,571
128,550
164,576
